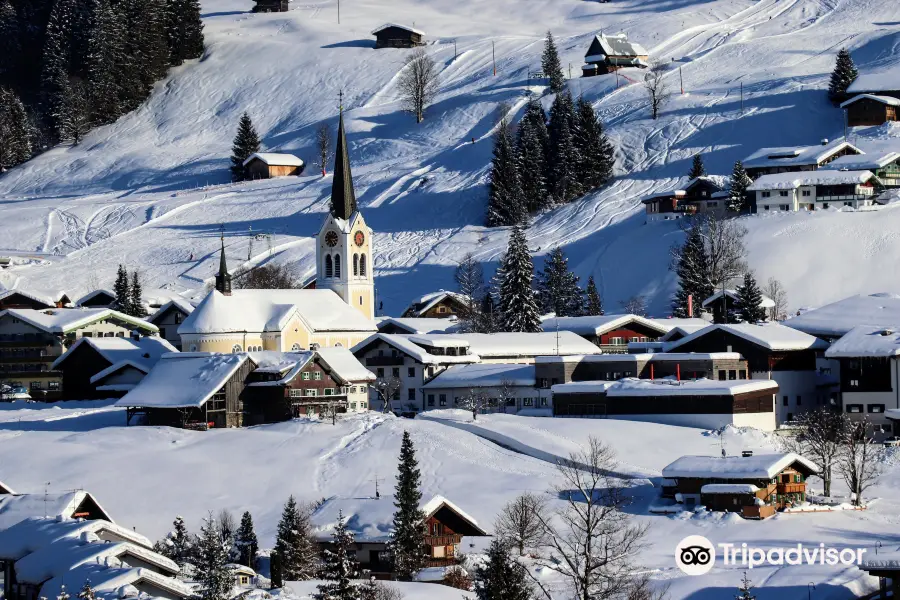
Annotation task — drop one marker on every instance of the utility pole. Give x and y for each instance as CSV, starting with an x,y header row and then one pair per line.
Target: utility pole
x,y
339,11
494,58
454,49
681,78
617,79
742,98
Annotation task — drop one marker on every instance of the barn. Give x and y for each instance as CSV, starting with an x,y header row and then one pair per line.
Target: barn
x,y
869,109
391,35
265,165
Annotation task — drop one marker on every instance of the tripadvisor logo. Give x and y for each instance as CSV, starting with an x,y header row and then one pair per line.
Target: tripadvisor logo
x,y
695,555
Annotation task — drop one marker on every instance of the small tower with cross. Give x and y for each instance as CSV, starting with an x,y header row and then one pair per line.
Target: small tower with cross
x,y
223,277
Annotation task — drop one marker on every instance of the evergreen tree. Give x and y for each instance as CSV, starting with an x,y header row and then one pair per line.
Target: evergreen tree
x,y
551,66
146,48
593,305
293,544
843,75
749,298
557,287
137,297
10,46
246,142
57,60
505,201
692,266
339,567
370,590
63,594
178,545
532,143
122,290
87,592
500,577
72,114
210,571
697,167
245,542
15,131
595,153
184,30
746,586
104,63
563,156
487,319
738,198
518,310
408,536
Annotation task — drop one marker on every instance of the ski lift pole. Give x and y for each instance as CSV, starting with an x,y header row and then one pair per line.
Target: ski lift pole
x,y
494,57
681,79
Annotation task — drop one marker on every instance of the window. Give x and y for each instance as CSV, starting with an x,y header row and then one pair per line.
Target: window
x,y
337,265
807,193
362,265
848,204
328,392
765,207
442,399
317,376
353,405
178,318
411,394
54,386
783,194
35,385
527,401
854,383
329,269
543,383
732,374
784,207
294,393
767,195
356,265
543,402
635,339
310,392
824,205
395,372
721,375
442,309
873,408
411,372
235,348
193,348
742,374
379,373
510,401
854,408
305,376
615,341
430,399
784,400
799,400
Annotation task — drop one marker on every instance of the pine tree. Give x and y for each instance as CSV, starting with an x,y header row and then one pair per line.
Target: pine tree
x,y
692,266
136,294
178,545
557,287
63,594
505,201
72,114
184,30
843,75
339,567
210,571
595,153
551,65
744,589
146,48
749,298
532,141
518,310
122,290
246,142
10,45
87,592
563,156
593,304
245,542
697,167
105,59
293,544
57,60
738,199
408,536
500,577
15,131
370,590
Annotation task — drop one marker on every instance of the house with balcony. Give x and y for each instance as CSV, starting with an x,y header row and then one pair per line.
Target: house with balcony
x,y
815,190
793,159
609,53
436,305
701,195
756,486
609,333
884,163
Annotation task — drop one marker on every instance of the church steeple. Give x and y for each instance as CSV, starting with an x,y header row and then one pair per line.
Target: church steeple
x,y
223,277
343,198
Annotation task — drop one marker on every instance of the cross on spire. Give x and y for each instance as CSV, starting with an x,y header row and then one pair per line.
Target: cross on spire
x,y
223,277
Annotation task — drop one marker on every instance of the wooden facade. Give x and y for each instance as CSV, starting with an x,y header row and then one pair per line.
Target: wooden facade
x,y
598,404
699,196
657,366
271,6
275,403
396,36
101,299
77,369
868,111
168,321
759,358
448,306
19,300
259,169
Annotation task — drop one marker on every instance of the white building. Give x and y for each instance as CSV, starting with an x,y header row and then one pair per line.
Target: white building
x,y
835,320
814,190
766,161
508,387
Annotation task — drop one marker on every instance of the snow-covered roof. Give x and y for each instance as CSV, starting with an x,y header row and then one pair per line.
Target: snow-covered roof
x,y
440,340
344,364
275,159
765,302
422,304
685,323
18,507
758,466
772,336
882,80
793,180
885,559
890,101
184,380
33,533
796,155
632,386
857,162
420,324
866,340
341,362
483,375
94,293
598,325
640,356
36,297
184,305
435,504
582,387
389,25
404,344
729,488
488,345
5,489
720,182
838,318
142,353
270,310
113,583
617,45
65,320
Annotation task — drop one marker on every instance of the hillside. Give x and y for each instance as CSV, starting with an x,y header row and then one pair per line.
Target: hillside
x,y
151,190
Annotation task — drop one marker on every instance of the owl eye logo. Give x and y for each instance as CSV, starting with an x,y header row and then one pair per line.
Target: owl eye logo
x,y
695,555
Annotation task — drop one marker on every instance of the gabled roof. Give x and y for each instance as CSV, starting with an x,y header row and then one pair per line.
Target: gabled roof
x,y
495,345
340,362
31,296
423,303
632,386
890,101
685,185
112,583
438,505
765,302
5,489
866,340
617,46
420,324
91,295
389,25
142,353
483,375
275,159
771,336
793,180
882,80
796,155
18,507
838,318
34,533
860,162
598,325
183,305
758,466
405,345
65,320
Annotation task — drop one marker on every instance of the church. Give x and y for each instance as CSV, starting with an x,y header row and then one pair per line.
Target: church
x,y
339,312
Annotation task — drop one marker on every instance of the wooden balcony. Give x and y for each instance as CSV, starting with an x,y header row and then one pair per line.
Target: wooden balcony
x,y
791,488
757,512
440,562
443,540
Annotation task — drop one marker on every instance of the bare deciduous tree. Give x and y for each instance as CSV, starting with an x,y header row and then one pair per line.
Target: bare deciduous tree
x,y
505,391
774,290
387,389
226,525
655,84
591,541
418,83
477,401
860,460
469,276
819,436
267,277
323,146
456,577
520,523
636,305
724,240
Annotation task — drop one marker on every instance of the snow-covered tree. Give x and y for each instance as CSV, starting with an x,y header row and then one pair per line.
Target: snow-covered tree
x,y
501,577
690,262
87,592
518,309
563,156
596,155
744,589
477,400
532,142
136,293
184,30
245,543
10,45
72,116
15,131
738,199
294,546
105,60
749,298
408,537
59,57
842,76
557,287
246,143
505,201
122,290
635,305
488,318
593,304
339,566
698,169
214,577
178,545
63,594
551,65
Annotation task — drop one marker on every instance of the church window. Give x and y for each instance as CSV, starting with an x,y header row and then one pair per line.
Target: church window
x,y
328,269
362,265
236,348
356,265
337,265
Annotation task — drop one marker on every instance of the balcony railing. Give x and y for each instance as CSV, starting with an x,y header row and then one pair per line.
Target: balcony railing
x,y
791,488
443,540
758,512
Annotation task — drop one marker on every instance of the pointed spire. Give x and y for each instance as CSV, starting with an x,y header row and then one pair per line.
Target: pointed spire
x,y
343,198
223,277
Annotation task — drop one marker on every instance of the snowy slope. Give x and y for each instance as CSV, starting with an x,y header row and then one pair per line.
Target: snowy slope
x,y
151,190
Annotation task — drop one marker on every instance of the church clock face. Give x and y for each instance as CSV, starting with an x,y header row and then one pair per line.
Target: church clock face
x,y
359,239
331,238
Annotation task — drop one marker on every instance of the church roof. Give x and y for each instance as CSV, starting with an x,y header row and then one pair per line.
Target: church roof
x,y
343,198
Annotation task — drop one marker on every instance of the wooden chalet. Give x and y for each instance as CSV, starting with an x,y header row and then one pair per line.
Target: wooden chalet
x,y
168,317
756,486
391,35
610,333
23,299
436,305
769,161
609,53
272,6
97,299
869,109
701,195
721,307
266,165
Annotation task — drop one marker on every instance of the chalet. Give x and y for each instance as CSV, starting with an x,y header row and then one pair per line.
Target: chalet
x,y
704,403
61,506
754,485
884,565
107,367
884,163
824,188
169,317
724,302
440,304
869,109
701,195
22,299
414,325
507,387
835,320
877,83
608,53
31,341
521,348
97,299
768,161
266,165
191,390
391,35
290,385
773,352
610,333
272,6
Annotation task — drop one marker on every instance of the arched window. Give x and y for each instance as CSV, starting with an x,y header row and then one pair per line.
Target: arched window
x,y
356,265
236,348
362,265
193,347
337,265
295,348
328,270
